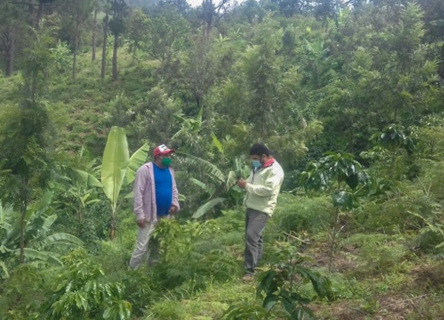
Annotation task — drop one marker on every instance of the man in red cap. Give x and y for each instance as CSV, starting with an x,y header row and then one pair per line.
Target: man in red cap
x,y
155,197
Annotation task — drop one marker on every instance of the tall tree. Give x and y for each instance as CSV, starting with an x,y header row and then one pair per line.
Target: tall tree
x,y
96,7
75,15
24,136
107,8
11,33
117,28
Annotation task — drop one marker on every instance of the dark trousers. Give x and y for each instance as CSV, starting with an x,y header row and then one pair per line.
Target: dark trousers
x,y
254,225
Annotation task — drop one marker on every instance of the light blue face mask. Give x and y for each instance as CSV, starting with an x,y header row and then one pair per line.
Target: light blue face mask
x,y
256,164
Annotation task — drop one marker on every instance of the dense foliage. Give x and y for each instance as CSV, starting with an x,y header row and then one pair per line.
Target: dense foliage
x,y
348,93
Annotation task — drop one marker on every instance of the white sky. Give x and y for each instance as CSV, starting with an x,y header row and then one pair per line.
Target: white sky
x,y
195,3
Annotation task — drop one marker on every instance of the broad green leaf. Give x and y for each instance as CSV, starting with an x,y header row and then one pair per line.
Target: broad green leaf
x,y
49,221
217,143
343,199
40,255
270,301
352,181
114,164
135,162
207,207
89,179
200,184
61,236
129,195
210,169
4,274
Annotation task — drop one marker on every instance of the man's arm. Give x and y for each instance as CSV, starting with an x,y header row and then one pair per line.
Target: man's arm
x,y
140,182
273,180
175,206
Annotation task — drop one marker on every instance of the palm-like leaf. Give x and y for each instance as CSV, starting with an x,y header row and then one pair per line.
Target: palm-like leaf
x,y
114,164
63,238
207,207
40,255
88,179
4,274
211,170
135,162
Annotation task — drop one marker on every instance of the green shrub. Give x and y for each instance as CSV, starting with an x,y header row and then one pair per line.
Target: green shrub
x,y
23,292
189,252
378,253
303,214
81,291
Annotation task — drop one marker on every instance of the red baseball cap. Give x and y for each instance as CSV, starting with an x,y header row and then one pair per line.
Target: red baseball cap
x,y
162,150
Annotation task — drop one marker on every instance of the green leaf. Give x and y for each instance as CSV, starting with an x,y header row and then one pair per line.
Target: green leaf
x,y
49,221
343,199
270,301
40,255
88,178
207,207
137,160
4,274
62,236
352,181
200,184
212,170
217,143
114,164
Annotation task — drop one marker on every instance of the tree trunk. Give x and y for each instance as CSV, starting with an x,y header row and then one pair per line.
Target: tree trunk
x,y
116,46
76,44
112,231
74,59
105,36
93,58
39,15
333,238
23,209
8,42
10,69
31,20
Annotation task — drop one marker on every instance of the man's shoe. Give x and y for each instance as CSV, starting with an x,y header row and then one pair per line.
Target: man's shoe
x,y
248,277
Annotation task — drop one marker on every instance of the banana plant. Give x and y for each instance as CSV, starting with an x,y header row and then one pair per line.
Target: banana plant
x,y
114,165
221,187
119,169
39,241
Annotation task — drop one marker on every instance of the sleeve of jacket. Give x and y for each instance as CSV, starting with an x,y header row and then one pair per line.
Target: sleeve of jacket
x,y
175,201
272,181
140,182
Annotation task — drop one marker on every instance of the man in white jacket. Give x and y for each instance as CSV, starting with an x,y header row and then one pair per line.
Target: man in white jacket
x,y
262,190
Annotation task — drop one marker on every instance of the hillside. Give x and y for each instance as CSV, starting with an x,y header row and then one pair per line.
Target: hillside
x,y
349,98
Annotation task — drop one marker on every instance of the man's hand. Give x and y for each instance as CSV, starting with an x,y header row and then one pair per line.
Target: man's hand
x,y
242,183
173,210
141,223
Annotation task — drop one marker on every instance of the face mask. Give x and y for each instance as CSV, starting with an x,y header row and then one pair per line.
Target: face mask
x,y
256,163
166,162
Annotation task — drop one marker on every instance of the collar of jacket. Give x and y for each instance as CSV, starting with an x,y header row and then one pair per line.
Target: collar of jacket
x,y
269,163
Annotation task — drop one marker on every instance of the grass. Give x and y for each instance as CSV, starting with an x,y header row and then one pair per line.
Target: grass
x,y
207,305
397,283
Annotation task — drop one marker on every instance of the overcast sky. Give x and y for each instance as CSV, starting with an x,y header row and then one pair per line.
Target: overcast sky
x,y
195,3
